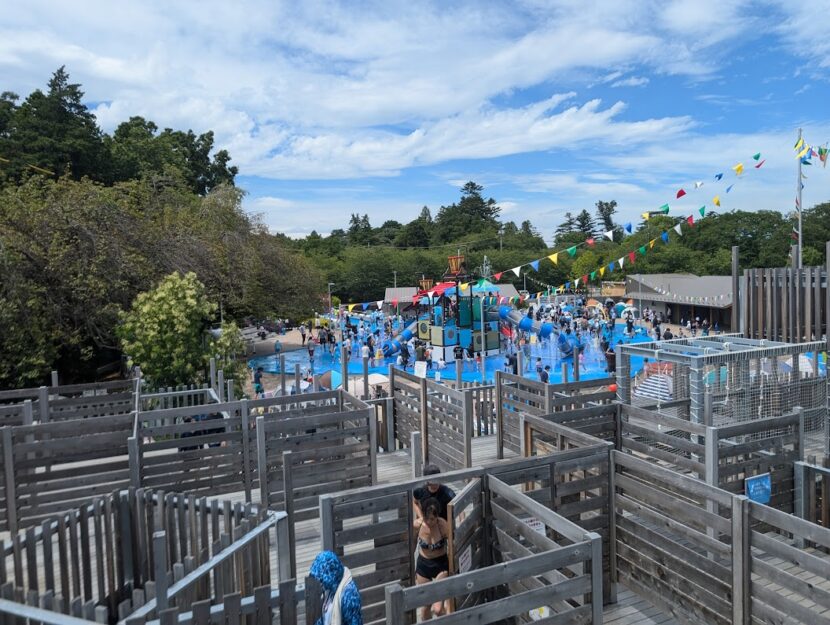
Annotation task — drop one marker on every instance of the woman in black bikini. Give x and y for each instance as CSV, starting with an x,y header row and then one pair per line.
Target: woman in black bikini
x,y
432,560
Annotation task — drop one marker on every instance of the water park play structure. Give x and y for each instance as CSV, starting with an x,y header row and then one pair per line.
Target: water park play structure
x,y
468,321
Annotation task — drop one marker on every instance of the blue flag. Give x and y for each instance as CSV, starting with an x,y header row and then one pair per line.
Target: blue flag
x,y
665,236
535,265
628,227
611,266
718,176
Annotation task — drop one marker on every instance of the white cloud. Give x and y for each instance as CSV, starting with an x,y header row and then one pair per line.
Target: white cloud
x,y
633,81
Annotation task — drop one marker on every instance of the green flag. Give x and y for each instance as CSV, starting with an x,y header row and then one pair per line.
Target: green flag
x,y
756,156
702,211
593,275
643,250
572,251
665,209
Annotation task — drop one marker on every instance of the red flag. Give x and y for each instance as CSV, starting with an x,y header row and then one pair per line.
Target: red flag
x,y
395,303
585,278
590,242
681,193
691,220
632,256
758,166
497,276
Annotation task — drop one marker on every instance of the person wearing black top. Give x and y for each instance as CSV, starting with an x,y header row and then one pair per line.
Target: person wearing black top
x,y
433,488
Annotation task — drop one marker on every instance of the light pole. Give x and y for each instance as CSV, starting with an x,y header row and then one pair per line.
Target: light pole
x,y
331,284
396,278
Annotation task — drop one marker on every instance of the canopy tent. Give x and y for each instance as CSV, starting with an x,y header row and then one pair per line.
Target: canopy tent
x,y
437,291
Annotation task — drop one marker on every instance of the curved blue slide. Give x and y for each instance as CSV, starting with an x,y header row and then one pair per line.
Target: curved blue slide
x,y
524,322
390,348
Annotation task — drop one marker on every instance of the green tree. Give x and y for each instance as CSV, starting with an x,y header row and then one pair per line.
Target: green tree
x,y
54,131
585,223
605,214
471,215
413,234
165,331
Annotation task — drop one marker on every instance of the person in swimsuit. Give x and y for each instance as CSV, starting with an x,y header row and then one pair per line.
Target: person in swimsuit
x,y
432,562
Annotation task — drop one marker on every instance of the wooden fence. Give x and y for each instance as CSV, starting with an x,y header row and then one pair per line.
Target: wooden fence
x,y
372,528
538,563
408,392
102,560
447,428
784,304
812,492
516,395
306,453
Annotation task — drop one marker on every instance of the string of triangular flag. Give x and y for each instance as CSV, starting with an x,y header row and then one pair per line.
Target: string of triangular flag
x,y
705,299
806,152
739,170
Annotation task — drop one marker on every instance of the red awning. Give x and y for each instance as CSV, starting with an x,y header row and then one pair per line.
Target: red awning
x,y
438,289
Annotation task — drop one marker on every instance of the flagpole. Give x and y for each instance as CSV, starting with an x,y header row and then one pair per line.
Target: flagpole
x,y
798,196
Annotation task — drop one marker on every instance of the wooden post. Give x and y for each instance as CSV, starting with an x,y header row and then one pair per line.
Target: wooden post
x,y
424,422
389,421
394,604
499,418
229,390
220,384
520,361
576,366
373,443
416,455
596,576
262,462
43,403
160,569
800,412
8,470
612,519
55,383
282,374
564,372
288,492
459,372
297,386
365,377
468,429
246,448
741,561
213,373
134,460
284,547
344,365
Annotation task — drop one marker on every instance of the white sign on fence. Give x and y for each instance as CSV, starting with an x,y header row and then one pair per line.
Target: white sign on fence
x,y
421,369
465,560
535,524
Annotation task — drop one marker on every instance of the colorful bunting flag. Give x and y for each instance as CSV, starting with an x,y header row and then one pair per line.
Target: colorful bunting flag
x,y
593,275
590,241
756,156
665,236
611,266
535,265
609,235
642,250
572,251
680,193
803,152
738,169
621,261
651,244
702,211
716,200
678,230
665,209
585,279
395,303
554,258
718,176
379,304
798,144
351,307
698,184
631,257
517,270
628,227
567,285
602,271
497,276
691,220
645,216
729,188
365,305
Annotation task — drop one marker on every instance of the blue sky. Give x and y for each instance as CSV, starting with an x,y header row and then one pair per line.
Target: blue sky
x,y
383,107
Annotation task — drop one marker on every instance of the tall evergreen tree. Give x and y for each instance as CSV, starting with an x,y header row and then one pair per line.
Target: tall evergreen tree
x,y
605,213
585,223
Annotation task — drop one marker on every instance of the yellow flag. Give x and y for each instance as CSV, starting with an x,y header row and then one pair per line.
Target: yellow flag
x,y
651,243
602,271
739,169
645,216
538,295
554,258
351,306
716,200
803,152
463,286
799,144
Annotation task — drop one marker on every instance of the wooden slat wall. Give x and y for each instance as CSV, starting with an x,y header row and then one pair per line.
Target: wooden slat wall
x,y
448,442
665,524
516,396
406,391
784,304
335,450
467,543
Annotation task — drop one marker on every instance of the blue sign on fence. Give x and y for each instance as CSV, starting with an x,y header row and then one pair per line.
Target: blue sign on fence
x,y
759,487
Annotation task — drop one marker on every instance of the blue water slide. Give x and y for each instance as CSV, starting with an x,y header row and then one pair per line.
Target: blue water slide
x,y
524,323
390,348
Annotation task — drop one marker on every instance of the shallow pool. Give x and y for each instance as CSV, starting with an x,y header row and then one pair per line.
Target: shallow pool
x,y
592,363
